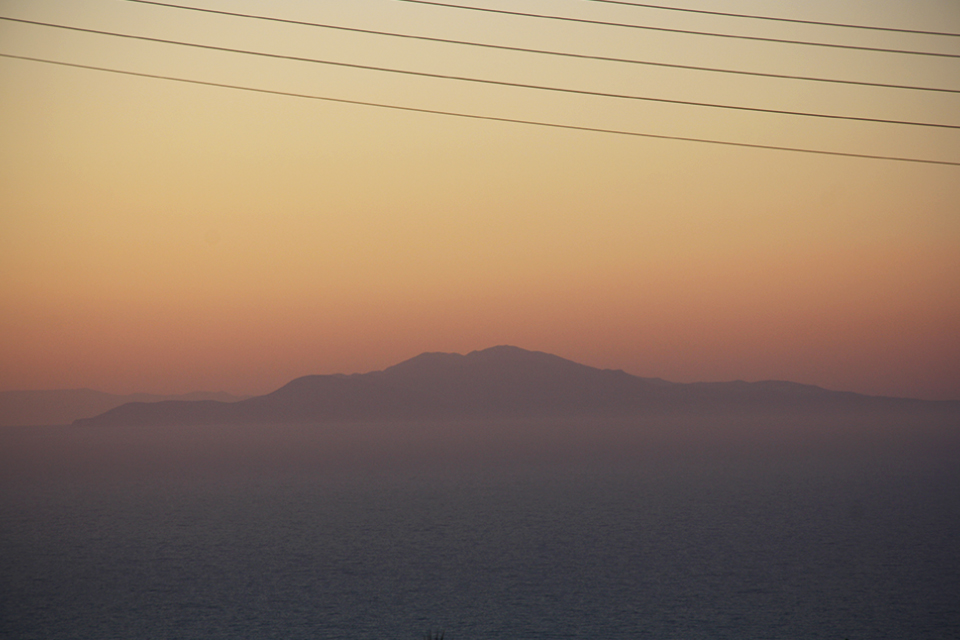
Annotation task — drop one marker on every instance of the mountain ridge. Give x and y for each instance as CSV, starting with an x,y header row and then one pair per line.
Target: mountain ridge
x,y
499,382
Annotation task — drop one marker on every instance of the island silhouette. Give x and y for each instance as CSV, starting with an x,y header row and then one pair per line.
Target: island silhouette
x,y
502,382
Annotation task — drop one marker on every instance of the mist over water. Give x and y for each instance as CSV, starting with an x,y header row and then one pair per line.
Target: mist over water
x,y
669,527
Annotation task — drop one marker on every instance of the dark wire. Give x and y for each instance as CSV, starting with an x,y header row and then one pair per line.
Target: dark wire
x,y
486,117
819,23
686,31
500,83
581,56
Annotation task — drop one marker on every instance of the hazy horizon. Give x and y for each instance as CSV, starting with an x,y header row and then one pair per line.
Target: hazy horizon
x,y
232,397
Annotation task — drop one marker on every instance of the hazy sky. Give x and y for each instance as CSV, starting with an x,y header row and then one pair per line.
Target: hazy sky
x,y
165,237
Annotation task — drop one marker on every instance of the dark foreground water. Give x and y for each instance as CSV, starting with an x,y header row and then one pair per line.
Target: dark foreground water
x,y
220,533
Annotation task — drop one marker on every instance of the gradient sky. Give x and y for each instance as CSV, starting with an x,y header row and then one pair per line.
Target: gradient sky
x,y
163,237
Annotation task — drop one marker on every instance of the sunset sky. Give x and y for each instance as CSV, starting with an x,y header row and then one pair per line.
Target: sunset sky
x,y
167,237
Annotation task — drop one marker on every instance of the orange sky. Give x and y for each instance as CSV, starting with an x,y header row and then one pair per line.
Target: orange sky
x,y
164,237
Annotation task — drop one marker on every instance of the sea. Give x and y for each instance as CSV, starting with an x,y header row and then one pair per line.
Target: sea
x,y
384,532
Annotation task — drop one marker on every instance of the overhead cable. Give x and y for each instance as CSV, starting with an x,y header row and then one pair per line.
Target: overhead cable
x,y
500,83
684,31
580,56
819,23
472,116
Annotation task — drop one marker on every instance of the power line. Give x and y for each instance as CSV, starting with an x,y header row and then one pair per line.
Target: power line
x,y
472,116
819,23
581,56
500,83
684,31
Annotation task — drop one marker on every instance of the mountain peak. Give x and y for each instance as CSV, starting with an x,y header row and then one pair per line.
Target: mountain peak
x,y
503,350
507,353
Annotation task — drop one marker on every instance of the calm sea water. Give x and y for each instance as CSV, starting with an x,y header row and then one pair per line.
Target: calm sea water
x,y
203,534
